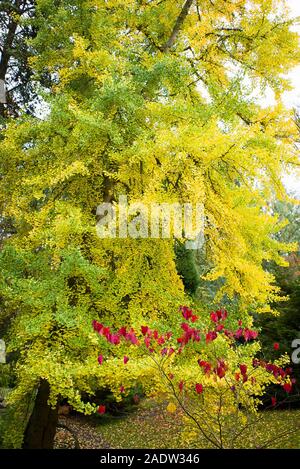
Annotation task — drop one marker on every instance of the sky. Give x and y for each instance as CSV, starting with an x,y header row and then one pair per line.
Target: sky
x,y
292,99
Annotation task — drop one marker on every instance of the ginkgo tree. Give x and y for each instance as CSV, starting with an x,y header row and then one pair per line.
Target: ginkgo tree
x,y
158,101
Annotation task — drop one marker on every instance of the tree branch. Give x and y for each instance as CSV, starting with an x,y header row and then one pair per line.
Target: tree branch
x,y
183,14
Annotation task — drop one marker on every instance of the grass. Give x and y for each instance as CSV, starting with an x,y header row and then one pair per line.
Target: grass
x,y
274,423
150,426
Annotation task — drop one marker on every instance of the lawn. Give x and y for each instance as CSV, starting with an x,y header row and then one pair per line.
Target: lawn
x,y
151,426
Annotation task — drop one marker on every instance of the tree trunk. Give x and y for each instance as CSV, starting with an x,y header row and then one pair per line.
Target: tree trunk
x,y
41,427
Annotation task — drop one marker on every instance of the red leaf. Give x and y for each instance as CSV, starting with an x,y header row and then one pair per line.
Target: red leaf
x,y
125,360
187,313
250,335
131,337
239,333
210,336
199,388
221,372
287,387
144,329
219,315
186,327
105,331
101,409
147,342
100,359
214,317
160,340
221,369
205,365
114,339
122,331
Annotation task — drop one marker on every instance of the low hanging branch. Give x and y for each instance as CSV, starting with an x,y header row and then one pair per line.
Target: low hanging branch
x,y
184,12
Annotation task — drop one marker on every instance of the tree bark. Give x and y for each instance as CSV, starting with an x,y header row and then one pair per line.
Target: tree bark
x,y
41,427
14,11
183,14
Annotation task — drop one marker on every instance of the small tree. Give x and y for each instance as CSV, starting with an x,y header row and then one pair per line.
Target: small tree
x,y
208,371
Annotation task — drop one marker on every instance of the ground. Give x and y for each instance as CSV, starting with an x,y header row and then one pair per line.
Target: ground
x,y
150,426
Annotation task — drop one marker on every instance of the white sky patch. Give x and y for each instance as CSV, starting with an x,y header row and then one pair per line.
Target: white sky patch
x,y
292,99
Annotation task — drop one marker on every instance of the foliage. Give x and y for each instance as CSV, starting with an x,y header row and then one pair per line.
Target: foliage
x,y
6,376
284,327
156,103
211,375
114,115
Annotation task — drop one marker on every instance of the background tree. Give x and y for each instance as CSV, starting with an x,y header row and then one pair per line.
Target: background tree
x,y
187,268
153,100
283,329
16,29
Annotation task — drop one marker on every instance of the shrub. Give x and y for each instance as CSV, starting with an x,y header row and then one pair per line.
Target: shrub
x,y
206,367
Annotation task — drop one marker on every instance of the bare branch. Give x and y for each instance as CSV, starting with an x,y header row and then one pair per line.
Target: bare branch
x,y
179,22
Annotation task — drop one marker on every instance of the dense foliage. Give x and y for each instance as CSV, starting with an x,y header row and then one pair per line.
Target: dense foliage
x,y
156,101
